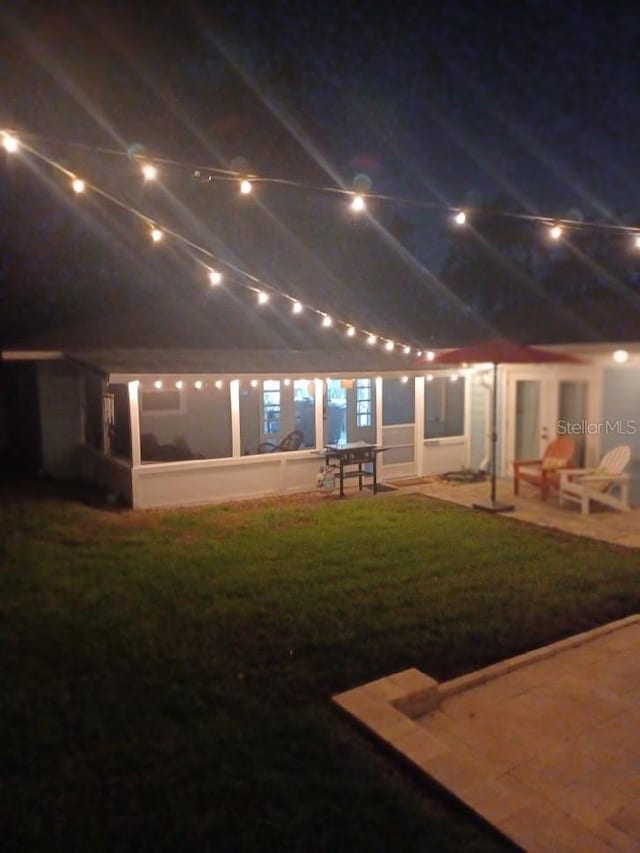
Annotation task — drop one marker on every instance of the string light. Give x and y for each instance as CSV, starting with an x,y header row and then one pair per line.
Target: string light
x,y
371,339
254,383
460,218
219,383
296,308
156,234
158,384
245,187
10,143
263,297
215,277
179,384
351,331
358,204
555,232
406,350
198,384
621,356
149,172
327,321
389,346
429,377
78,185
637,241
430,355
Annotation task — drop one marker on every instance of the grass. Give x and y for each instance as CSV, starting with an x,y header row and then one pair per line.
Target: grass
x,y
167,676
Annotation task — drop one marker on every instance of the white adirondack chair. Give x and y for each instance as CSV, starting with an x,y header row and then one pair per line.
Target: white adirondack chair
x,y
607,484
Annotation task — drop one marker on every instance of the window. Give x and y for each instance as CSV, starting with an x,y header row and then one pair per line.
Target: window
x,y
161,401
364,399
271,406
444,407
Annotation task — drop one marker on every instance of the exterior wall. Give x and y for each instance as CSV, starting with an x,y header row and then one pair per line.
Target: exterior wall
x,y
60,398
620,419
214,480
108,472
479,425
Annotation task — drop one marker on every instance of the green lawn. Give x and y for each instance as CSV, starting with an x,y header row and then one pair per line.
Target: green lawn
x,y
166,676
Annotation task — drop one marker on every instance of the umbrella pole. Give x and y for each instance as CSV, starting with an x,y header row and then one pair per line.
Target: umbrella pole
x,y
494,505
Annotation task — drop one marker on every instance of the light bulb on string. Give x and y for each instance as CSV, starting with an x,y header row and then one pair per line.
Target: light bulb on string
x,y
149,172
406,350
215,277
351,331
371,339
636,241
245,187
156,234
296,308
327,321
389,346
460,218
78,185
10,143
358,204
263,297
430,355
555,232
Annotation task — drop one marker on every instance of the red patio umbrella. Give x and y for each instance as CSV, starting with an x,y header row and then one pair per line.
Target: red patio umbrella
x,y
495,352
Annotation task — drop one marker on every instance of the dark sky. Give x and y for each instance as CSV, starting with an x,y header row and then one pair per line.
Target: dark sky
x,y
446,103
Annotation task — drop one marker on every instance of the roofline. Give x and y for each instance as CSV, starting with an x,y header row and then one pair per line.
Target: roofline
x,y
31,355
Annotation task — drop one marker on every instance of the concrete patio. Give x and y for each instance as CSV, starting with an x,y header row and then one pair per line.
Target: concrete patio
x,y
544,746
619,528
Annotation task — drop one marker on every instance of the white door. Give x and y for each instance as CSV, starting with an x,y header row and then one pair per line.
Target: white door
x,y
398,428
542,403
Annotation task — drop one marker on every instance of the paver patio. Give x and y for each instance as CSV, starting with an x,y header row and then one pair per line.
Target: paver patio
x,y
544,746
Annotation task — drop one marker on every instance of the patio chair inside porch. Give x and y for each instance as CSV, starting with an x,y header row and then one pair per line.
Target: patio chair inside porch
x,y
292,441
607,484
544,472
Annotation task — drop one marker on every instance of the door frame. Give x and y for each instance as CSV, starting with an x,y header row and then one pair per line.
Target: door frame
x,y
549,376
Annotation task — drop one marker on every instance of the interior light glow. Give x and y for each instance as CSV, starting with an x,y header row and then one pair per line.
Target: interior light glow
x,y
621,356
78,185
149,172
287,382
358,204
460,218
263,297
254,383
10,143
215,277
245,187
455,377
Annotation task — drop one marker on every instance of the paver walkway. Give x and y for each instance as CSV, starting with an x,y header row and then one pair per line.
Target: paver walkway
x,y
545,746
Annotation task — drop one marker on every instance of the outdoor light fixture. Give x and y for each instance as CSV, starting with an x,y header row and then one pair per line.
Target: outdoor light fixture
x,y
215,277
78,185
358,204
621,356
149,172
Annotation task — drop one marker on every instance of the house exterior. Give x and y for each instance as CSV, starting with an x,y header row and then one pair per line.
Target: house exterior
x,y
168,427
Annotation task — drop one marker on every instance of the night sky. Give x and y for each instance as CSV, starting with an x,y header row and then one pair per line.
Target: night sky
x,y
453,106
